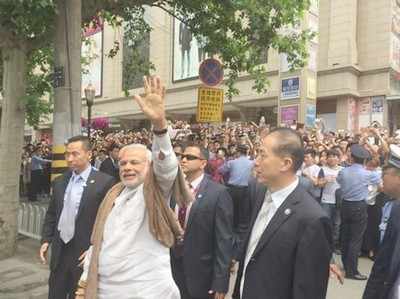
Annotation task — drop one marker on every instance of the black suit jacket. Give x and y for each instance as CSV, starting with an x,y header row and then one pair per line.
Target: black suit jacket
x,y
291,260
97,185
208,241
387,264
107,166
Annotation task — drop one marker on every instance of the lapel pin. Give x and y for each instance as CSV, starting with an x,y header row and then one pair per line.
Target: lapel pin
x,y
199,196
287,212
92,181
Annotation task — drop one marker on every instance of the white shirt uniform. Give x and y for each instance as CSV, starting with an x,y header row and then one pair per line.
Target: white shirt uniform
x,y
132,263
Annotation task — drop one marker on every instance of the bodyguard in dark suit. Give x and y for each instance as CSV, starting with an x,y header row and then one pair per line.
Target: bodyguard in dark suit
x,y
287,252
110,165
70,217
201,262
384,281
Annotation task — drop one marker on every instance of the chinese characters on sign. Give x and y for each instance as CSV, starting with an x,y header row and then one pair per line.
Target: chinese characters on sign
x,y
290,88
210,105
289,114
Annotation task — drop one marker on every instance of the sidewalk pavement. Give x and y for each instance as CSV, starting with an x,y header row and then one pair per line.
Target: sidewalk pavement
x,y
24,277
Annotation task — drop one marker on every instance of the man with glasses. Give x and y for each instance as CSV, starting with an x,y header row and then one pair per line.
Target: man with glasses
x,y
201,262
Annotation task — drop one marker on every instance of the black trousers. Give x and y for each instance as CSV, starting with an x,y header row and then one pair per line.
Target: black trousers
x,y
178,273
64,279
36,184
372,232
241,208
354,223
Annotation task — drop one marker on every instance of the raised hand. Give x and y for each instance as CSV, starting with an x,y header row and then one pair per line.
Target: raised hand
x,y
153,102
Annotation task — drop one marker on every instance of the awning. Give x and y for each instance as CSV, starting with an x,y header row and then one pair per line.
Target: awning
x,y
393,97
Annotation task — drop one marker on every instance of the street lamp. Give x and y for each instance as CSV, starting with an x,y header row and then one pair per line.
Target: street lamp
x,y
90,93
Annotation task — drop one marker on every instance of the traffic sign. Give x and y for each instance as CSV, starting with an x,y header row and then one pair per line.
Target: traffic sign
x,y
211,72
210,104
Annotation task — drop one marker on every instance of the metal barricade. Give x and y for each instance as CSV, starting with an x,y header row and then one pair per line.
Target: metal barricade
x,y
30,219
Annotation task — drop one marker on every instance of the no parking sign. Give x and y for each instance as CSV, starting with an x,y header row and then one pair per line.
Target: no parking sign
x,y
211,72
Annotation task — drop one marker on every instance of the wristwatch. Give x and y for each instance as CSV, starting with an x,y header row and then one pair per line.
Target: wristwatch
x,y
160,132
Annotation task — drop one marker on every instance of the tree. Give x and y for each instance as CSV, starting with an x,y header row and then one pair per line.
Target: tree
x,y
24,28
238,30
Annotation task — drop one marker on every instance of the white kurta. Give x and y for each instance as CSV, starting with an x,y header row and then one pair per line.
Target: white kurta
x,y
132,264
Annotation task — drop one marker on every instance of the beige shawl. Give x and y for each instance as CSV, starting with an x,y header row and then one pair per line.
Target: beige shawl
x,y
163,222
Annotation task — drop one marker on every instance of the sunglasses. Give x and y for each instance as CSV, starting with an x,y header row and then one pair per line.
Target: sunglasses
x,y
190,157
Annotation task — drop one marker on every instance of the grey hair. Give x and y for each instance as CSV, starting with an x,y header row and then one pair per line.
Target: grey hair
x,y
149,155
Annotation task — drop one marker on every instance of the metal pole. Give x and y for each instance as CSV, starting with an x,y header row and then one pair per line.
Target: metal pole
x,y
89,120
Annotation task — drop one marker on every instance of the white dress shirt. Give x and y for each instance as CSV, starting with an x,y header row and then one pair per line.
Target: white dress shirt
x,y
76,185
194,187
271,204
195,184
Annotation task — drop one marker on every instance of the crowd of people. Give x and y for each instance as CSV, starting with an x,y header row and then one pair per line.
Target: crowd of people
x,y
279,201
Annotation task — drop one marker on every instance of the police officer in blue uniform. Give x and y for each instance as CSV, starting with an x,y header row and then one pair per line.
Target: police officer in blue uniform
x,y
354,182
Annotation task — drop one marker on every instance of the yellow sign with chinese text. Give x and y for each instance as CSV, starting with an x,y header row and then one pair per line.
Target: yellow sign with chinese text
x,y
210,104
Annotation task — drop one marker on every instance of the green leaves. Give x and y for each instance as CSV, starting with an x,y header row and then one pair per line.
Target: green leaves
x,y
30,24
38,100
28,19
241,31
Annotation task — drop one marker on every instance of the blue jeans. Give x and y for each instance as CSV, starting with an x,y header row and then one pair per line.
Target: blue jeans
x,y
334,214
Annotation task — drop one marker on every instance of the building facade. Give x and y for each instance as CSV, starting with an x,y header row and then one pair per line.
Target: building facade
x,y
351,79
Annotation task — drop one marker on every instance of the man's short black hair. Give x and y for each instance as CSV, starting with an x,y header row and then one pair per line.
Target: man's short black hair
x,y
113,146
242,149
332,152
337,148
85,141
290,144
204,153
310,152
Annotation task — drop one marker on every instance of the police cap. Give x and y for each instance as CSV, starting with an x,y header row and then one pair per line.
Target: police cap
x,y
394,156
359,151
